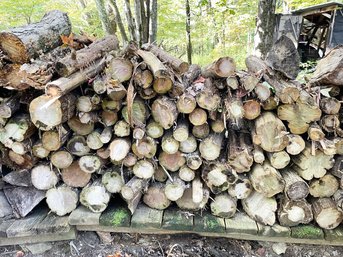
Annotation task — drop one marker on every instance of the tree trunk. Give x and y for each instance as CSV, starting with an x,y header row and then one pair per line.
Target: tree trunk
x,y
130,21
188,32
107,26
23,43
153,22
263,39
119,21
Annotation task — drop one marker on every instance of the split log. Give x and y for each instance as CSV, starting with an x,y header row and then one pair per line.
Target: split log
x,y
61,159
311,166
324,187
112,181
155,197
62,200
95,197
222,68
175,188
279,160
73,176
211,146
326,213
239,151
294,212
224,206
266,180
47,112
172,162
132,192
164,112
43,177
295,187
296,144
260,208
23,43
85,56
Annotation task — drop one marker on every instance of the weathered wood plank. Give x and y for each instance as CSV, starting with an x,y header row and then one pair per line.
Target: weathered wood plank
x,y
175,219
23,227
208,223
5,207
52,224
307,232
116,216
145,217
334,234
4,225
70,235
84,216
241,223
273,231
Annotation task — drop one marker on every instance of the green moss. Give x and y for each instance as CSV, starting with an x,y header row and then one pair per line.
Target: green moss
x,y
115,216
118,217
307,231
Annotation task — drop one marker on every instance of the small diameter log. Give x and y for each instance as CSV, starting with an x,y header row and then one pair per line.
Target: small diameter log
x,y
130,160
311,166
330,123
17,129
186,201
112,181
122,129
177,64
138,133
77,145
99,85
295,187
194,160
62,200
95,197
262,92
106,135
154,129
164,112
73,176
324,187
64,85
232,82
22,161
155,65
279,160
186,103
286,91
80,128
299,115
241,188
224,206
260,208
292,213
181,132
160,175
48,112
132,192
217,126
189,145
258,154
211,146
155,197
271,103
330,105
198,117
208,98
115,90
162,85
53,140
119,148
61,159
326,213
143,169
43,177
339,145
23,43
234,111
114,106
266,180
247,80
222,68
145,148
252,109
169,144
94,141
84,104
270,133
171,162
22,147
174,189
109,118
217,177
185,173
9,106
239,151
85,56
143,78
90,163
201,131
296,144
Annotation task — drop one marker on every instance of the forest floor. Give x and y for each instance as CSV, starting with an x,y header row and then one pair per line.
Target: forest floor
x,y
89,244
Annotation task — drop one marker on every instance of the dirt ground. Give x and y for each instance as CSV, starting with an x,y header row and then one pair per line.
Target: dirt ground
x,y
89,244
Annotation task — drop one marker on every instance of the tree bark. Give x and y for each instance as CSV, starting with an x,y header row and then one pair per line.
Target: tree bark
x,y
119,21
153,22
188,32
107,26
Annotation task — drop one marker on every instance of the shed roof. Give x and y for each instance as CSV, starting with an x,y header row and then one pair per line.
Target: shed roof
x,y
325,7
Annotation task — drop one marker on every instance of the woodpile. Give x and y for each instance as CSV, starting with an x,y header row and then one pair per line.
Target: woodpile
x,y
85,123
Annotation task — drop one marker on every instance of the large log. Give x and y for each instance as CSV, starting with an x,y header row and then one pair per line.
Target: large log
x,y
62,200
26,42
326,213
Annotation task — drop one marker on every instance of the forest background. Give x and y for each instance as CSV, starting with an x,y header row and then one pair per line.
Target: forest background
x,y
216,27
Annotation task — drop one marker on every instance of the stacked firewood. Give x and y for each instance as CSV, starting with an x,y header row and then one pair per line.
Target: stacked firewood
x,y
86,122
